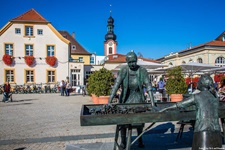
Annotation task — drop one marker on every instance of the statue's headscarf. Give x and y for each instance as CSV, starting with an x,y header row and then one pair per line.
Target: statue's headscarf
x,y
206,83
131,55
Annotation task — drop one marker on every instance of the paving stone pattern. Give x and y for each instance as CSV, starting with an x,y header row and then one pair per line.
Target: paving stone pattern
x,y
52,122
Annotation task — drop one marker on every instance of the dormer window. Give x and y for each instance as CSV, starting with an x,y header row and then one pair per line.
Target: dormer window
x,y
74,47
223,38
115,56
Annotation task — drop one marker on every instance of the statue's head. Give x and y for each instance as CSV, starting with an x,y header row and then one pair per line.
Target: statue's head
x,y
131,59
205,82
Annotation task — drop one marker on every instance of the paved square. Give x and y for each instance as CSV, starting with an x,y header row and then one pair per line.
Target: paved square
x,y
52,122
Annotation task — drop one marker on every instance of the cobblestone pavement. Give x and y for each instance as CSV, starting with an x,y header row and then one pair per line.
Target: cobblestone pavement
x,y
47,121
52,122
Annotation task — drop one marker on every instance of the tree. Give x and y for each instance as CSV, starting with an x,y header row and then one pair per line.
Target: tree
x,y
100,82
175,83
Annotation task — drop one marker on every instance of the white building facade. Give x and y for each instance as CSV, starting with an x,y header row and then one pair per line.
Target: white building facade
x,y
31,35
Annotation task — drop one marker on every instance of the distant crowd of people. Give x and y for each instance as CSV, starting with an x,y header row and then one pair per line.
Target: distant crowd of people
x,y
65,87
65,90
160,87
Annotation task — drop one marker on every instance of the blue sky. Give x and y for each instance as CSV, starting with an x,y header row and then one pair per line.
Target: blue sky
x,y
152,27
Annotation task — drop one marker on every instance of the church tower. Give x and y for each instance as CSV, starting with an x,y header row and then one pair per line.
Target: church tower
x,y
110,42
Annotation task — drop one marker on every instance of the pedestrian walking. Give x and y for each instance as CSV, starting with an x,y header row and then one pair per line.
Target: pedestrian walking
x,y
6,92
68,88
161,85
83,91
62,87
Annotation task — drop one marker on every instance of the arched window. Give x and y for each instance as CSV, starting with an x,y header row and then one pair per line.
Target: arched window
x,y
199,60
220,61
170,64
183,62
110,50
190,60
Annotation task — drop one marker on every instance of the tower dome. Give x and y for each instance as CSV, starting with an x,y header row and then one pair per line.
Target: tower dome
x,y
110,34
110,20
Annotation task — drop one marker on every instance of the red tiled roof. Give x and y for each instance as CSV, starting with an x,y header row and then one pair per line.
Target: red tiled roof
x,y
215,43
149,60
122,59
79,49
211,43
31,15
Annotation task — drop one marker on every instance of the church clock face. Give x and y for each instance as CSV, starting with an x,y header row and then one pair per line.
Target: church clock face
x,y
110,43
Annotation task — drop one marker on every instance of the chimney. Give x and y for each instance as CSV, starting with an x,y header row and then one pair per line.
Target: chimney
x,y
73,35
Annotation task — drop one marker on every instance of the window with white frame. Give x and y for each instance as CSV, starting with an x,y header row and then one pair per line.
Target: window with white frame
x,y
50,50
17,31
28,30
29,50
29,76
9,49
51,76
220,61
80,59
9,75
92,60
39,31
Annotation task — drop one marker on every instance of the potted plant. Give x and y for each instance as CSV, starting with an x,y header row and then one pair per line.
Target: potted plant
x,y
51,60
29,60
100,85
175,84
7,59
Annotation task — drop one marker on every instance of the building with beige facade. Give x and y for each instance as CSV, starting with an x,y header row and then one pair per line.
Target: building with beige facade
x,y
212,52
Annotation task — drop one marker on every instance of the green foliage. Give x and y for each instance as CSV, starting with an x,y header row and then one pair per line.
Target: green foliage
x,y
100,82
175,83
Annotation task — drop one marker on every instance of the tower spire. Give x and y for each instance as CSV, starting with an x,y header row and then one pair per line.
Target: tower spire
x,y
110,43
110,9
